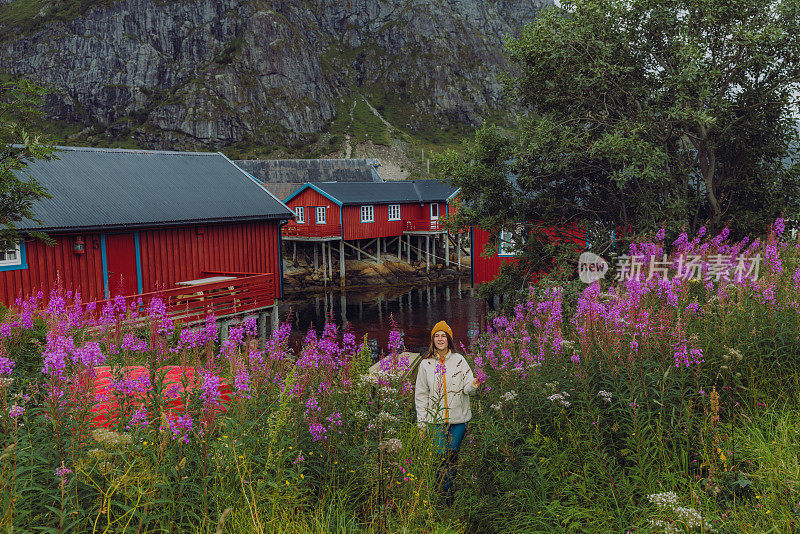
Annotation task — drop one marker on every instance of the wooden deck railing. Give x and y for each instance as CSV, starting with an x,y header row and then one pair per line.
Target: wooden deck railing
x,y
422,225
307,230
246,292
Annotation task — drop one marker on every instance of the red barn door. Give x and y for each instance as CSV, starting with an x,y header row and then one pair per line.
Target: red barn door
x,y
121,264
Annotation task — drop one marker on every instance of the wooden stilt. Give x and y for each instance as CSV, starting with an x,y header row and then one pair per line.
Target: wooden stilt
x,y
294,252
316,262
378,248
428,256
341,266
360,251
330,263
447,250
324,271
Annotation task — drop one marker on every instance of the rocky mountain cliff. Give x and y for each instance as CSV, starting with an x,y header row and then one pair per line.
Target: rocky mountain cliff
x,y
217,73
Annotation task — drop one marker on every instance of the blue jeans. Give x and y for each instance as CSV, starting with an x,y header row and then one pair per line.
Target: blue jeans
x,y
448,437
448,441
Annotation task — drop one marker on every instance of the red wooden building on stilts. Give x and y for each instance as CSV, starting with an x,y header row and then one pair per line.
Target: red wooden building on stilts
x,y
372,220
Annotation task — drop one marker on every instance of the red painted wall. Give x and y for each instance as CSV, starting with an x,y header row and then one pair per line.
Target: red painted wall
x,y
311,199
487,269
167,255
382,227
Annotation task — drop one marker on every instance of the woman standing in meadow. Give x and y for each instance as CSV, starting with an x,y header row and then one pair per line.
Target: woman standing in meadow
x,y
443,386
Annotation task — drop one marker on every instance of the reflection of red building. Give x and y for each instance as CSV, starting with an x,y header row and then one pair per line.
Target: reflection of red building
x,y
486,269
134,222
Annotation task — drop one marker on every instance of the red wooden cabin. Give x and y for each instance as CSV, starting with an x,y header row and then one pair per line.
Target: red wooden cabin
x,y
352,210
134,222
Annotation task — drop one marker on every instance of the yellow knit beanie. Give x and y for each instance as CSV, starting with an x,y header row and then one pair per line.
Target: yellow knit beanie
x,y
442,326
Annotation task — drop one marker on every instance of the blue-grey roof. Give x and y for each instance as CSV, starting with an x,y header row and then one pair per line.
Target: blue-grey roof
x,y
100,188
386,192
299,171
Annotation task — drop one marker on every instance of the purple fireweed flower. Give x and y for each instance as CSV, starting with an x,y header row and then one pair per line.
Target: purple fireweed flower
x,y
15,411
90,355
181,427
241,382
210,390
56,355
62,472
139,419
6,365
778,226
133,343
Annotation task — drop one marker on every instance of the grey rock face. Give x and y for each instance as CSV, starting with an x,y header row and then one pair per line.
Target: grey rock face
x,y
218,72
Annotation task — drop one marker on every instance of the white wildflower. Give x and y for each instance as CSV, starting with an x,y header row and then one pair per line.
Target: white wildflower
x,y
392,445
605,395
509,396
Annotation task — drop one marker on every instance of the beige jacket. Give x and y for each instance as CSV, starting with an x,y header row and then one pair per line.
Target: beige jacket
x,y
429,396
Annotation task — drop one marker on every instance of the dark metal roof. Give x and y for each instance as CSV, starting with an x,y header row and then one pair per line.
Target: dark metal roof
x,y
312,170
387,192
97,188
281,190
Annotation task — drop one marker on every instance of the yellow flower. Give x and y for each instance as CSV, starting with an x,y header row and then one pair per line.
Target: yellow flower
x,y
290,448
287,482
302,476
145,443
224,436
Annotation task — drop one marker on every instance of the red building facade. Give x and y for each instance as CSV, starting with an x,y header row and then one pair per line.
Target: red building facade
x,y
365,211
147,222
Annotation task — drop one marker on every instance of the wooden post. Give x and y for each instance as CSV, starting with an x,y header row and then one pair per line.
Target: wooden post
x,y
428,254
458,246
275,317
294,251
378,255
400,248
341,267
316,262
358,249
447,249
324,267
419,248
330,263
408,251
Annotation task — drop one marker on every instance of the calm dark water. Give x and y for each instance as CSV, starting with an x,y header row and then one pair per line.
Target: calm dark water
x,y
414,309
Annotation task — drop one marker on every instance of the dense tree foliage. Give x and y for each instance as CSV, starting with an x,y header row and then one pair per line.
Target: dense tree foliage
x,y
637,114
20,103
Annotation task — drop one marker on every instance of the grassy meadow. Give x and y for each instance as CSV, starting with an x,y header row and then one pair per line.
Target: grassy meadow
x,y
649,404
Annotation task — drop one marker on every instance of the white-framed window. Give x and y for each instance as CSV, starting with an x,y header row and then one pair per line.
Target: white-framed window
x,y
299,215
394,212
321,215
506,244
434,211
367,214
10,254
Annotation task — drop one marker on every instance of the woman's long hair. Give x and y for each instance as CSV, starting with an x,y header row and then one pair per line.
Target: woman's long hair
x,y
432,348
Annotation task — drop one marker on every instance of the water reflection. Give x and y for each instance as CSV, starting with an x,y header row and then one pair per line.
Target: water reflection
x,y
414,309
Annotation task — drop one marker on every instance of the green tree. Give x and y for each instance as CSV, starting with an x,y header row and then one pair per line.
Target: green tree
x,y
637,114
20,103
